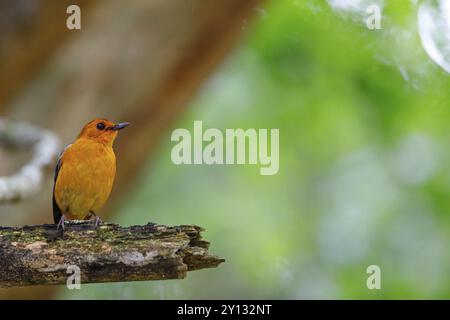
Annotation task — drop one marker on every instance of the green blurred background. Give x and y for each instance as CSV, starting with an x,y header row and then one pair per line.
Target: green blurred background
x,y
364,164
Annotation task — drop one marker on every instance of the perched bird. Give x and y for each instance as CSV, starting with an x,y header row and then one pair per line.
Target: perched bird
x,y
85,172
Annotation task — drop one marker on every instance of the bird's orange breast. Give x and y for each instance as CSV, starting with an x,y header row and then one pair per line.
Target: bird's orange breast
x,y
85,178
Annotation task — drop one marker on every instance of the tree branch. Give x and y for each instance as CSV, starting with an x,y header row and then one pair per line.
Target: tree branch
x,y
39,255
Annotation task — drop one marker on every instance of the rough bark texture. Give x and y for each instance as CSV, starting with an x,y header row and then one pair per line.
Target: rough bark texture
x,y
39,255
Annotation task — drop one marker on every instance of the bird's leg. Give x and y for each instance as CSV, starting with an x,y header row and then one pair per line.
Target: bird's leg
x,y
61,222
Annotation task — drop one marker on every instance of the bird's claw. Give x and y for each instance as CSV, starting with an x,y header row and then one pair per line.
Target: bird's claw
x,y
98,221
61,223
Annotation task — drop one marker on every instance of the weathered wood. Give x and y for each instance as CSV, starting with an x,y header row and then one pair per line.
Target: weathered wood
x,y
40,255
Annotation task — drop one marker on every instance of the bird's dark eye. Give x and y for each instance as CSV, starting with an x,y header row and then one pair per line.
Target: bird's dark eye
x,y
101,126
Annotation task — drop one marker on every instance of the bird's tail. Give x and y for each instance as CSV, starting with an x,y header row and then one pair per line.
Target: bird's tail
x,y
57,214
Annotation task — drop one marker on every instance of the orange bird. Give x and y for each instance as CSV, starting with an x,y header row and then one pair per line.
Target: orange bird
x,y
85,172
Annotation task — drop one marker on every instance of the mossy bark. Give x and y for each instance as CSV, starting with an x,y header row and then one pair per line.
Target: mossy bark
x,y
39,255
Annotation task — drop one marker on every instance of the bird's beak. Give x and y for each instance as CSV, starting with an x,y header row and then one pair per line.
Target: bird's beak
x,y
120,126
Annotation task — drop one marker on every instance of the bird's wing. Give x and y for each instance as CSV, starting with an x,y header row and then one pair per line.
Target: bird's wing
x,y
57,214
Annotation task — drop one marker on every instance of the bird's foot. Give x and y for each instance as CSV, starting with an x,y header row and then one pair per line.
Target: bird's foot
x,y
61,223
97,221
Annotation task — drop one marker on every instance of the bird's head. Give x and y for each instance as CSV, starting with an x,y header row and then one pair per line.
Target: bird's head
x,y
102,130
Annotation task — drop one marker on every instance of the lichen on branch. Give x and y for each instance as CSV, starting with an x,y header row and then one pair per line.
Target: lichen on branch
x,y
39,255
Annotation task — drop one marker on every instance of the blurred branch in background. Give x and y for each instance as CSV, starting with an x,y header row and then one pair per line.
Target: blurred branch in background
x,y
29,33
45,146
136,61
